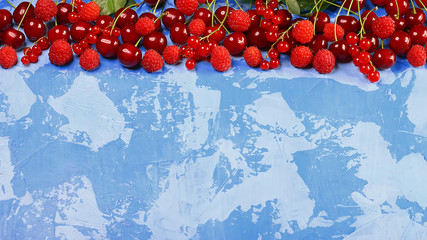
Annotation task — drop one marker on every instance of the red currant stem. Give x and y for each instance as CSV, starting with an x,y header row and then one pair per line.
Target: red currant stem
x,y
279,39
118,16
336,5
351,3
413,6
139,40
397,7
23,17
10,4
335,26
221,25
241,7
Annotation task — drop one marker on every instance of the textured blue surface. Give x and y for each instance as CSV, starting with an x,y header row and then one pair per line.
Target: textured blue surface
x,y
246,154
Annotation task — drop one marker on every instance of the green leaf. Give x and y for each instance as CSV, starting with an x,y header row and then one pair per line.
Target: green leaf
x,y
110,6
304,7
293,7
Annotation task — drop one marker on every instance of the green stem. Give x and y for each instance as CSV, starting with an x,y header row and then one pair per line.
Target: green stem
x,y
413,7
10,4
136,45
239,5
279,39
336,5
362,29
397,7
23,17
155,7
221,25
351,4
335,26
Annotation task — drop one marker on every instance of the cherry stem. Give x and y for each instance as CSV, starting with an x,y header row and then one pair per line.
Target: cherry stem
x,y
217,18
23,17
136,45
336,5
10,4
362,27
360,18
382,43
317,13
397,7
155,7
241,7
250,4
335,26
118,16
56,21
413,6
351,3
221,25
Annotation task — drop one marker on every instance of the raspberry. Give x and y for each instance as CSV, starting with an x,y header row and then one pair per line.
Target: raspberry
x,y
60,53
301,56
89,60
144,26
46,10
197,27
329,32
252,56
8,57
220,59
383,27
187,7
89,12
324,61
417,56
303,31
239,21
171,54
152,61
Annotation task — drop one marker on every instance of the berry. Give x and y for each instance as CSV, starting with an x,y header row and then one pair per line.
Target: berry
x,y
172,54
252,56
46,10
152,61
89,60
324,61
417,56
374,76
239,20
283,46
303,31
383,27
60,53
190,64
264,65
63,10
187,7
89,12
220,59
144,26
197,27
274,63
321,18
301,56
329,32
8,57
25,60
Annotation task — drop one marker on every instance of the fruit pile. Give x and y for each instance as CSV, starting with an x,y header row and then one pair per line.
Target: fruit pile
x,y
202,31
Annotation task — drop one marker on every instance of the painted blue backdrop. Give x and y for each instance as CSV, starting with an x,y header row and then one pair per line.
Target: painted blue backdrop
x,y
246,154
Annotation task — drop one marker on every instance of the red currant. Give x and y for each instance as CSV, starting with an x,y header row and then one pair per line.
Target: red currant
x,y
283,46
190,64
265,65
374,76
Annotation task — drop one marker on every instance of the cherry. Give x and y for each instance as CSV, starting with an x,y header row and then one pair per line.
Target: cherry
x,y
220,14
5,19
13,37
400,23
348,23
129,34
20,10
156,41
107,46
190,64
79,30
153,3
400,43
128,16
416,18
374,42
179,33
204,14
353,5
318,43
257,37
129,55
368,17
321,19
418,34
62,16
58,32
255,19
235,43
384,58
104,21
391,8
340,51
286,18
217,36
172,16
34,29
152,17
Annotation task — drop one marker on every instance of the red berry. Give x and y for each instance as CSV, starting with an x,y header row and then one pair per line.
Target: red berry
x,y
366,69
329,32
352,38
374,76
190,64
187,7
152,61
384,58
172,54
274,63
365,44
25,60
400,42
320,19
283,46
417,56
303,31
60,53
46,10
220,59
8,57
252,56
324,61
239,21
383,27
77,48
264,65
89,60
301,56
89,12
33,58
144,26
197,27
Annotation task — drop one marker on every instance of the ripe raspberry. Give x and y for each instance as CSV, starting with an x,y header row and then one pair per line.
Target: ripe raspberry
x,y
152,61
252,56
144,26
46,10
239,20
303,31
187,7
220,59
329,32
171,54
60,53
324,61
301,56
197,27
417,56
89,12
383,27
8,57
89,60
